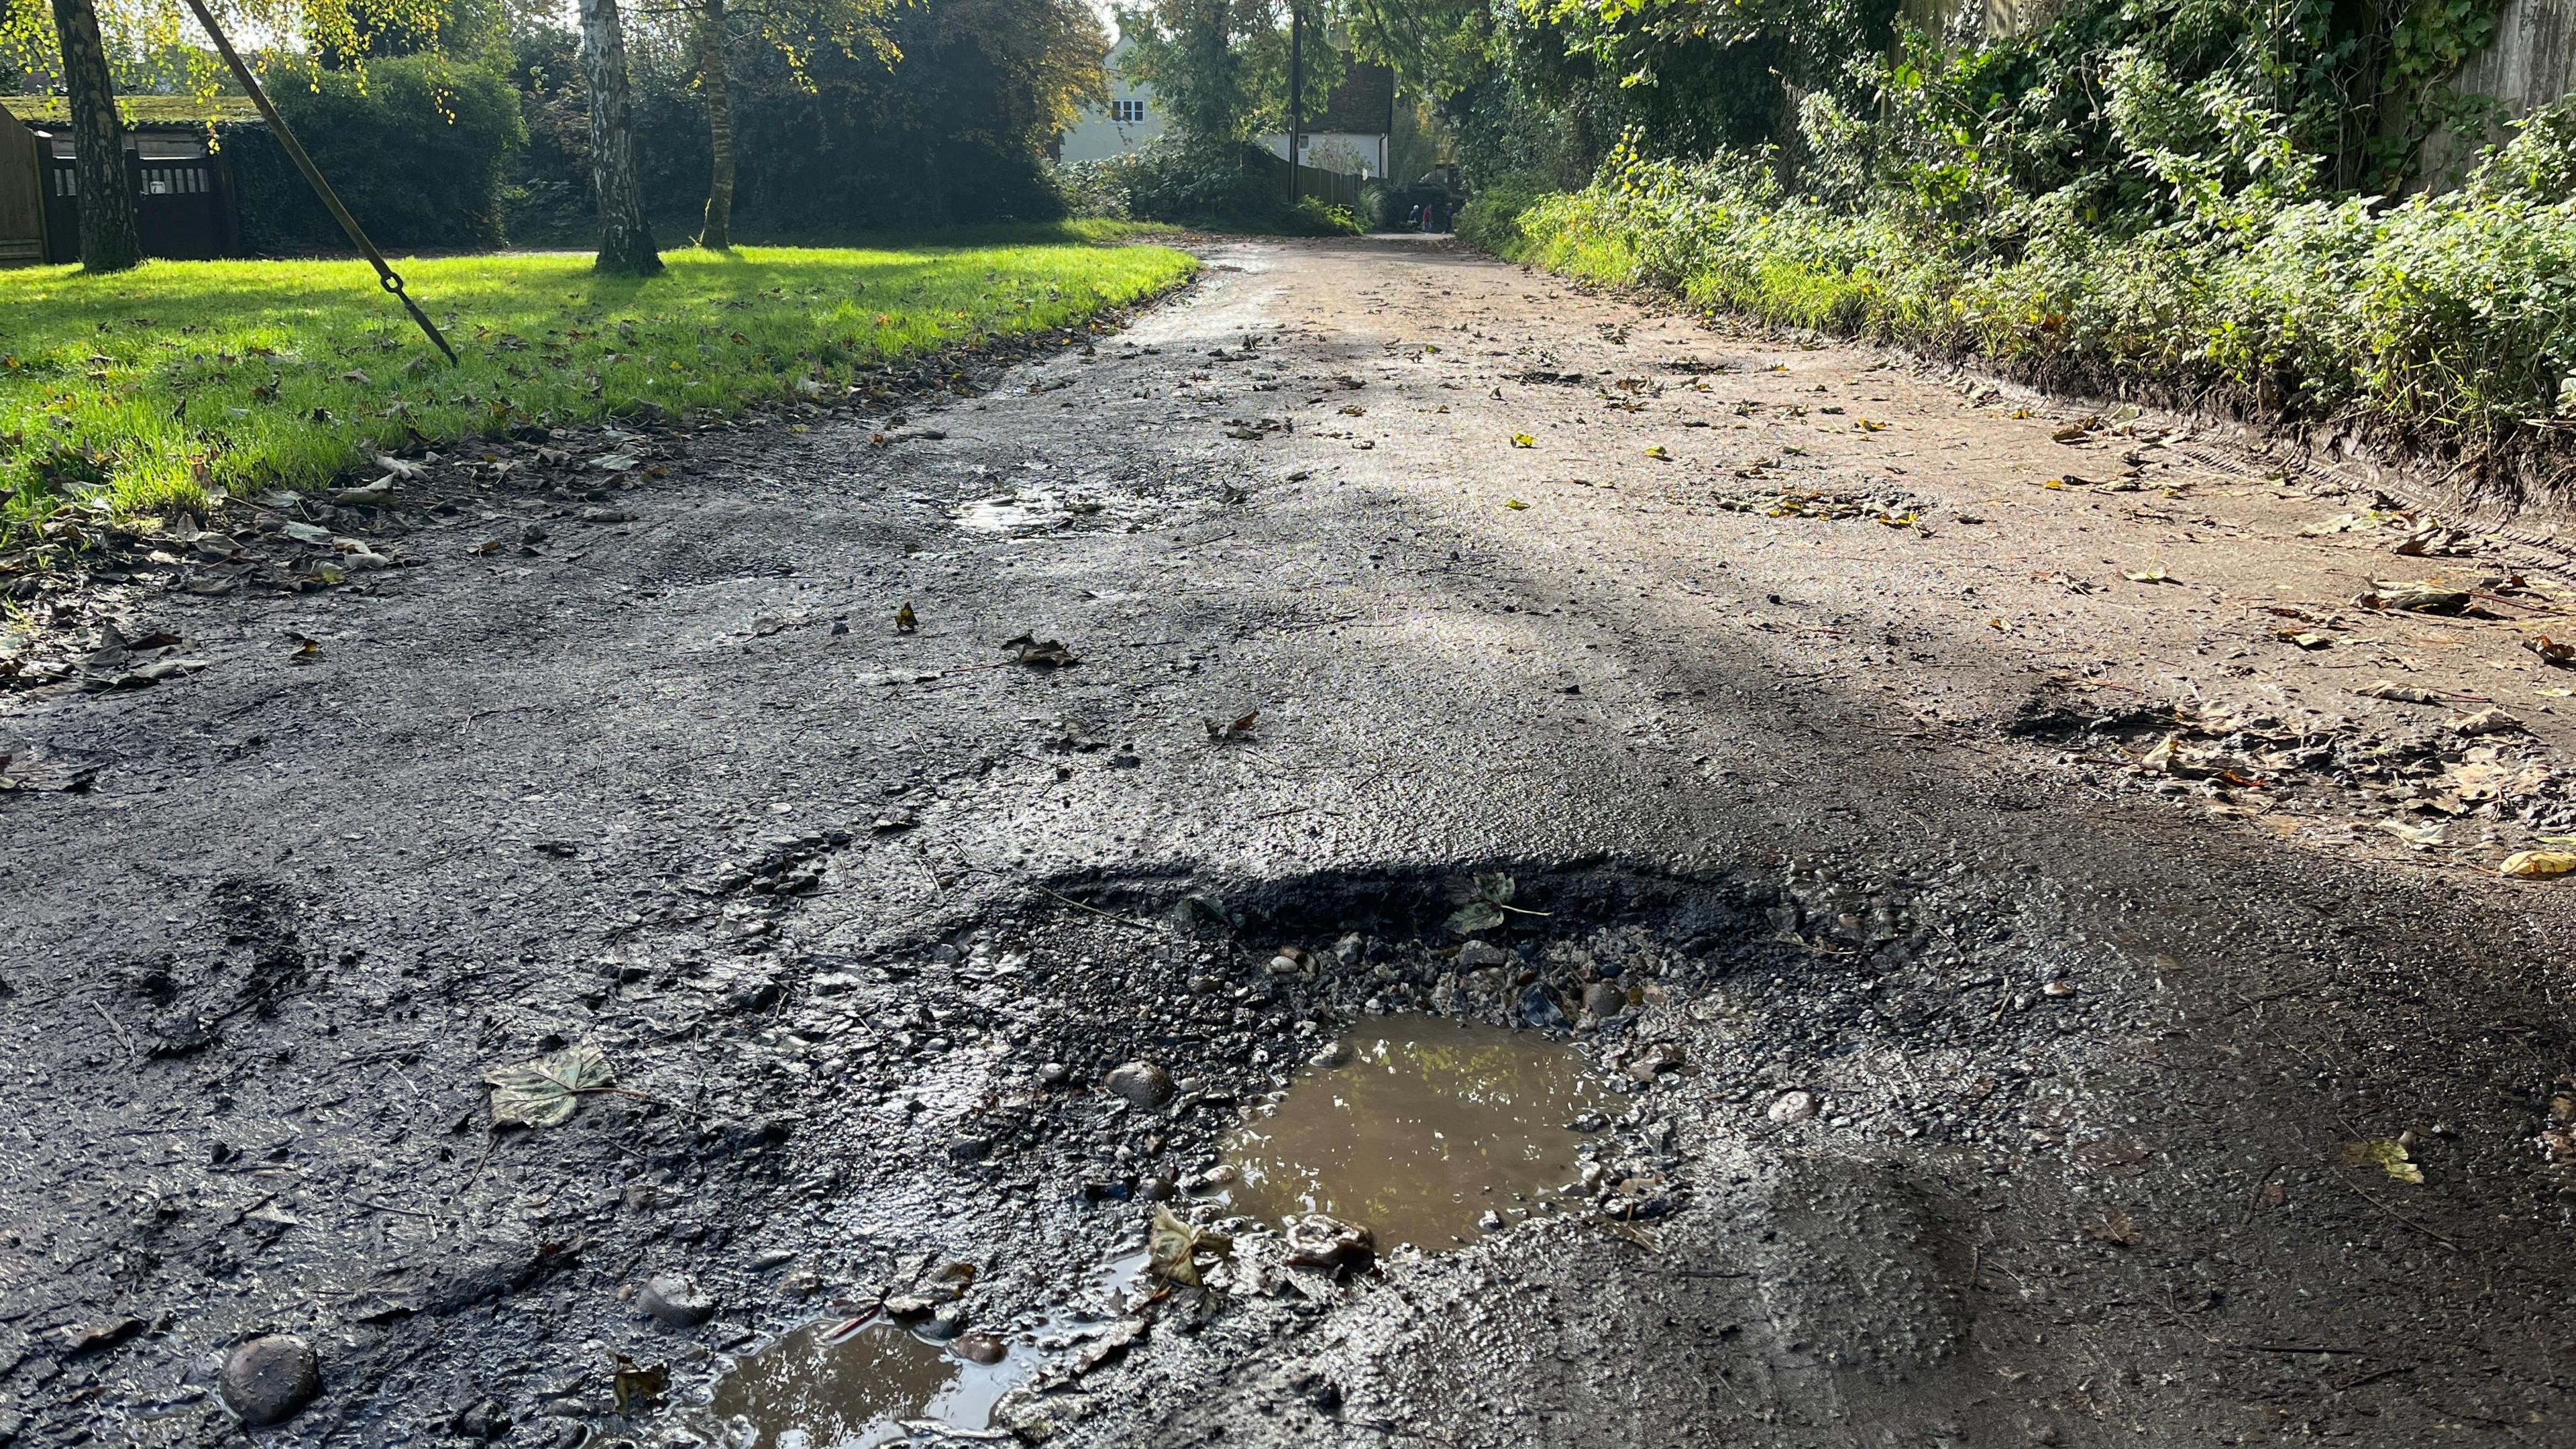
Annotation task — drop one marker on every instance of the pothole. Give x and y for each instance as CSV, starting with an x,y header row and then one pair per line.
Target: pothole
x,y
1425,1130
854,1383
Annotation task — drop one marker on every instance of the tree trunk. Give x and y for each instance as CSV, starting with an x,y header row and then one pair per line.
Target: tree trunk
x,y
717,79
109,241
625,242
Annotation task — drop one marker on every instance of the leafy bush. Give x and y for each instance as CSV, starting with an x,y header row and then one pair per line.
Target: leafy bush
x,y
417,149
1094,189
1196,183
1491,218
1225,185
1313,216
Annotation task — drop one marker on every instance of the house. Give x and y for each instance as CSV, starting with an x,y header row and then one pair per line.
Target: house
x,y
1133,118
1350,132
185,203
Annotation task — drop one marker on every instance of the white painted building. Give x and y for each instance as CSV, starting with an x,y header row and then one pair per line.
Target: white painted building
x,y
1134,118
1350,132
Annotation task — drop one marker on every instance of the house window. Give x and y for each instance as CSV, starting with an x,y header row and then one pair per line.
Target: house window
x,y
1126,111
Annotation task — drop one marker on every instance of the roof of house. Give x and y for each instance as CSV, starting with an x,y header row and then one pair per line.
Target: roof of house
x,y
1363,104
137,110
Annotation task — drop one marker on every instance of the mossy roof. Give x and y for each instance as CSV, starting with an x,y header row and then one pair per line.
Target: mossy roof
x,y
138,110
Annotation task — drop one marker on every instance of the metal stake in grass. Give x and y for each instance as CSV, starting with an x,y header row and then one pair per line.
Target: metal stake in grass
x,y
385,274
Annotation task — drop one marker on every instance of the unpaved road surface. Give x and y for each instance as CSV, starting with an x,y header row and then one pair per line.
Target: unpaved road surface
x,y
2105,924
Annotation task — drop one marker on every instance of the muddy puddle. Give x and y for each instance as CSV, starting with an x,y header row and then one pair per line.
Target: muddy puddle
x,y
1425,1130
833,1385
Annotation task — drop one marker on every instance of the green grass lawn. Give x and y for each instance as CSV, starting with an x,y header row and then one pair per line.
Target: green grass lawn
x,y
145,388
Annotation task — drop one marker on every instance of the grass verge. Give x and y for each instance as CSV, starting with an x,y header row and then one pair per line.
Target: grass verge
x,y
145,390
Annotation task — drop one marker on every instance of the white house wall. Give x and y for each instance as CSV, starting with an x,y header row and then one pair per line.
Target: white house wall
x,y
1098,135
1368,146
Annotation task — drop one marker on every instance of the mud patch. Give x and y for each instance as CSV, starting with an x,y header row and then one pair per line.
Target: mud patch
x,y
1424,1130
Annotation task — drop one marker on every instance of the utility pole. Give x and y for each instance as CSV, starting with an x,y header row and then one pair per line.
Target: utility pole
x,y
1296,89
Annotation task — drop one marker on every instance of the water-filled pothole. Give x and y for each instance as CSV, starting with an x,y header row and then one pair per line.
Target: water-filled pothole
x,y
829,1385
1417,1128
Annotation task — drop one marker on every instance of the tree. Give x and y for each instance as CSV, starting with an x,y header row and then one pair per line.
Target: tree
x,y
625,239
715,232
797,30
1220,68
109,241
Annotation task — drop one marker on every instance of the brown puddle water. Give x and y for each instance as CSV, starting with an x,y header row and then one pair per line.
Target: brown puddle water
x,y
1423,1126
816,1389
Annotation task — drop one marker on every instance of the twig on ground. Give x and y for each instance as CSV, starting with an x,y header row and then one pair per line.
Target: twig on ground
x,y
1097,911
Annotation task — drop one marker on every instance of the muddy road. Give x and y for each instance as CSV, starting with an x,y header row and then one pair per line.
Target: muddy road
x,y
2029,939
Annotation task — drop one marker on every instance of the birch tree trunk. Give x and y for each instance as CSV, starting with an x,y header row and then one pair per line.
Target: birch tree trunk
x,y
109,241
625,241
715,75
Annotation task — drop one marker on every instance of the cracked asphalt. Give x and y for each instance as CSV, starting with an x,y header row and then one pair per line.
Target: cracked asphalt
x,y
2122,1074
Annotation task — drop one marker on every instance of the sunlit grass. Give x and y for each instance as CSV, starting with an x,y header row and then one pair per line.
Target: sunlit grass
x,y
148,387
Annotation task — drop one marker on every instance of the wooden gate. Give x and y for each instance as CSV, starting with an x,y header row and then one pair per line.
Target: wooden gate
x,y
180,206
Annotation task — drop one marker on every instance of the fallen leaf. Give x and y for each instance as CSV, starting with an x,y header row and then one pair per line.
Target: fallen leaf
x,y
1172,1248
2114,1227
305,533
2536,864
1487,907
2160,759
2550,650
2416,834
2386,1154
637,1387
542,1092
1523,440
2155,575
1040,653
2415,599
2489,721
1514,503
2402,693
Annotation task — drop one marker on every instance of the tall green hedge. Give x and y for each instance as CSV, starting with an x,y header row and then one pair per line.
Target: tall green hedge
x,y
417,146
